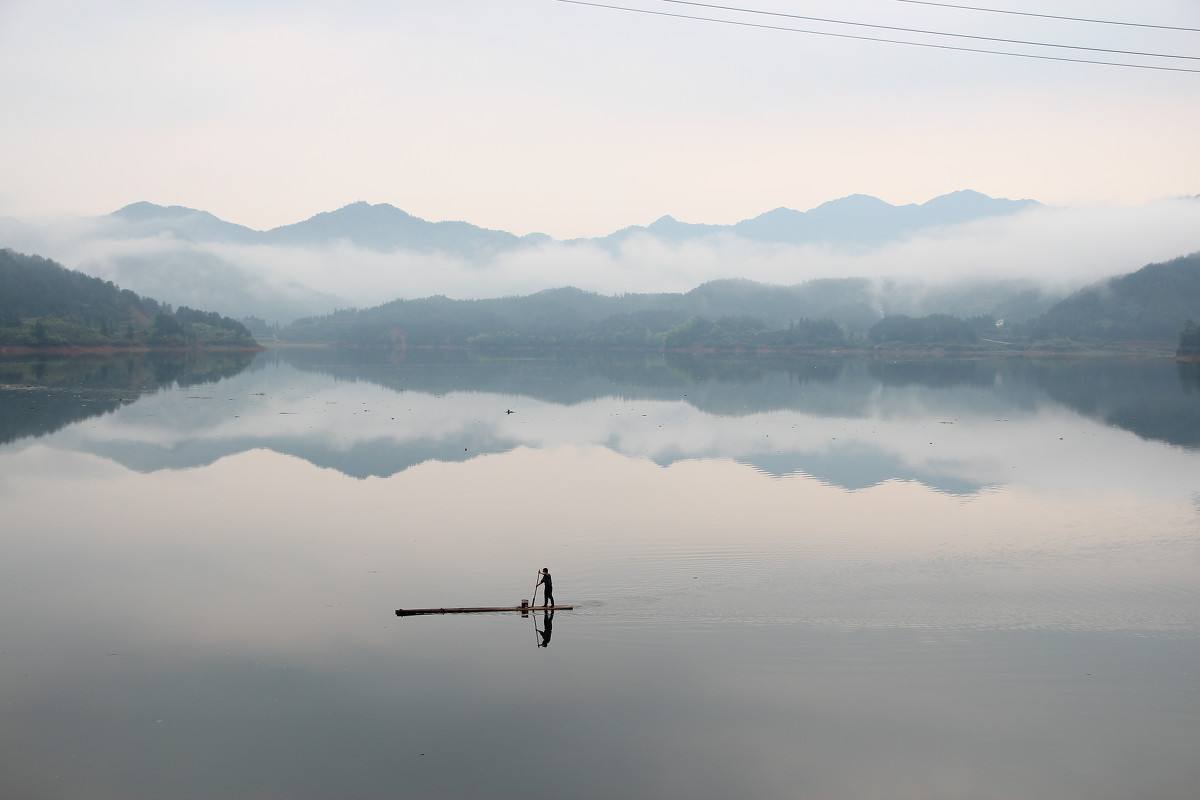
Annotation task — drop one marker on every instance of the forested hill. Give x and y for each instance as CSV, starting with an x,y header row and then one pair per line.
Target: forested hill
x,y
43,304
574,317
1152,304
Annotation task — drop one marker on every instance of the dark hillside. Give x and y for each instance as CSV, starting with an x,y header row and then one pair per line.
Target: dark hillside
x,y
1152,304
44,304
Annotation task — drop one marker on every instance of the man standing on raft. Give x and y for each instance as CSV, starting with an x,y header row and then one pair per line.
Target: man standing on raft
x,y
548,582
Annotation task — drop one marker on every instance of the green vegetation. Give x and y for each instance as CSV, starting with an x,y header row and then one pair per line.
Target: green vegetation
x,y
935,329
748,332
559,318
747,315
261,329
43,304
1147,306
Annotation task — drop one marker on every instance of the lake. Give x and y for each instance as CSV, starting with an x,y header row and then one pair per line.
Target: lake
x,y
794,578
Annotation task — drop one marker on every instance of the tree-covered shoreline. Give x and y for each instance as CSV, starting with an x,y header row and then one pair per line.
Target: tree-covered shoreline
x,y
1141,311
47,307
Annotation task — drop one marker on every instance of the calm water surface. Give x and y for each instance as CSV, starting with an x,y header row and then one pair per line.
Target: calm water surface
x,y
794,579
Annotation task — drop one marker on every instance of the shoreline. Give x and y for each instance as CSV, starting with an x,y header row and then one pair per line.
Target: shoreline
x,y
112,350
1142,351
1145,351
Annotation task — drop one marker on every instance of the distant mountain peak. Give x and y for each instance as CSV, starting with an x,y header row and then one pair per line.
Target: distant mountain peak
x,y
775,213
144,209
959,193
145,218
363,208
137,207
970,197
856,220
857,199
384,227
667,225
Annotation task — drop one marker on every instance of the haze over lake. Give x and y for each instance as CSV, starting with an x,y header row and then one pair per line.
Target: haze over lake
x,y
793,578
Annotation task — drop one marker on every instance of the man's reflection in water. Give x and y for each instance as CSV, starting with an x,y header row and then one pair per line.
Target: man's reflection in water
x,y
548,625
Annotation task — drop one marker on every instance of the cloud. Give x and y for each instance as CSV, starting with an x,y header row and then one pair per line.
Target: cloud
x,y
1059,248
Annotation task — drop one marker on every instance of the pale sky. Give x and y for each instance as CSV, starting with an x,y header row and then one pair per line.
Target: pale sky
x,y
534,115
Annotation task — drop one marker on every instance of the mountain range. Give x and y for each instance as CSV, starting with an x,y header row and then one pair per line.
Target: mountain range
x,y
857,221
1152,305
43,303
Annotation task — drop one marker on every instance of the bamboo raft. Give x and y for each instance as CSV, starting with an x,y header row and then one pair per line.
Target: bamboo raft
x,y
414,612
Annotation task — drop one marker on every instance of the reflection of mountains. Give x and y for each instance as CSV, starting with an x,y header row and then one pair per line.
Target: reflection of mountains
x,y
39,395
827,387
859,466
1153,399
373,458
852,466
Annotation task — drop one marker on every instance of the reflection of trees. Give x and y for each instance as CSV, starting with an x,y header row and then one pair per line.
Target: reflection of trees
x,y
1150,397
699,368
41,395
1189,377
725,385
1154,399
939,374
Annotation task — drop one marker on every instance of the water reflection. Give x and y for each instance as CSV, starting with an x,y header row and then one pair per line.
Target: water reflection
x,y
960,427
1152,399
1017,615
42,395
547,630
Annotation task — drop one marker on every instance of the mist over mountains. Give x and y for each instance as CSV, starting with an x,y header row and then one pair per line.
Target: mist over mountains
x,y
857,220
362,255
1152,304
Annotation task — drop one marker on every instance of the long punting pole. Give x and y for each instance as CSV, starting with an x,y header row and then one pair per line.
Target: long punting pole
x,y
413,612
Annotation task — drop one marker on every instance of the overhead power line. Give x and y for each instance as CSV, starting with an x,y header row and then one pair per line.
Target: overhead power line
x,y
926,31
1049,16
857,37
